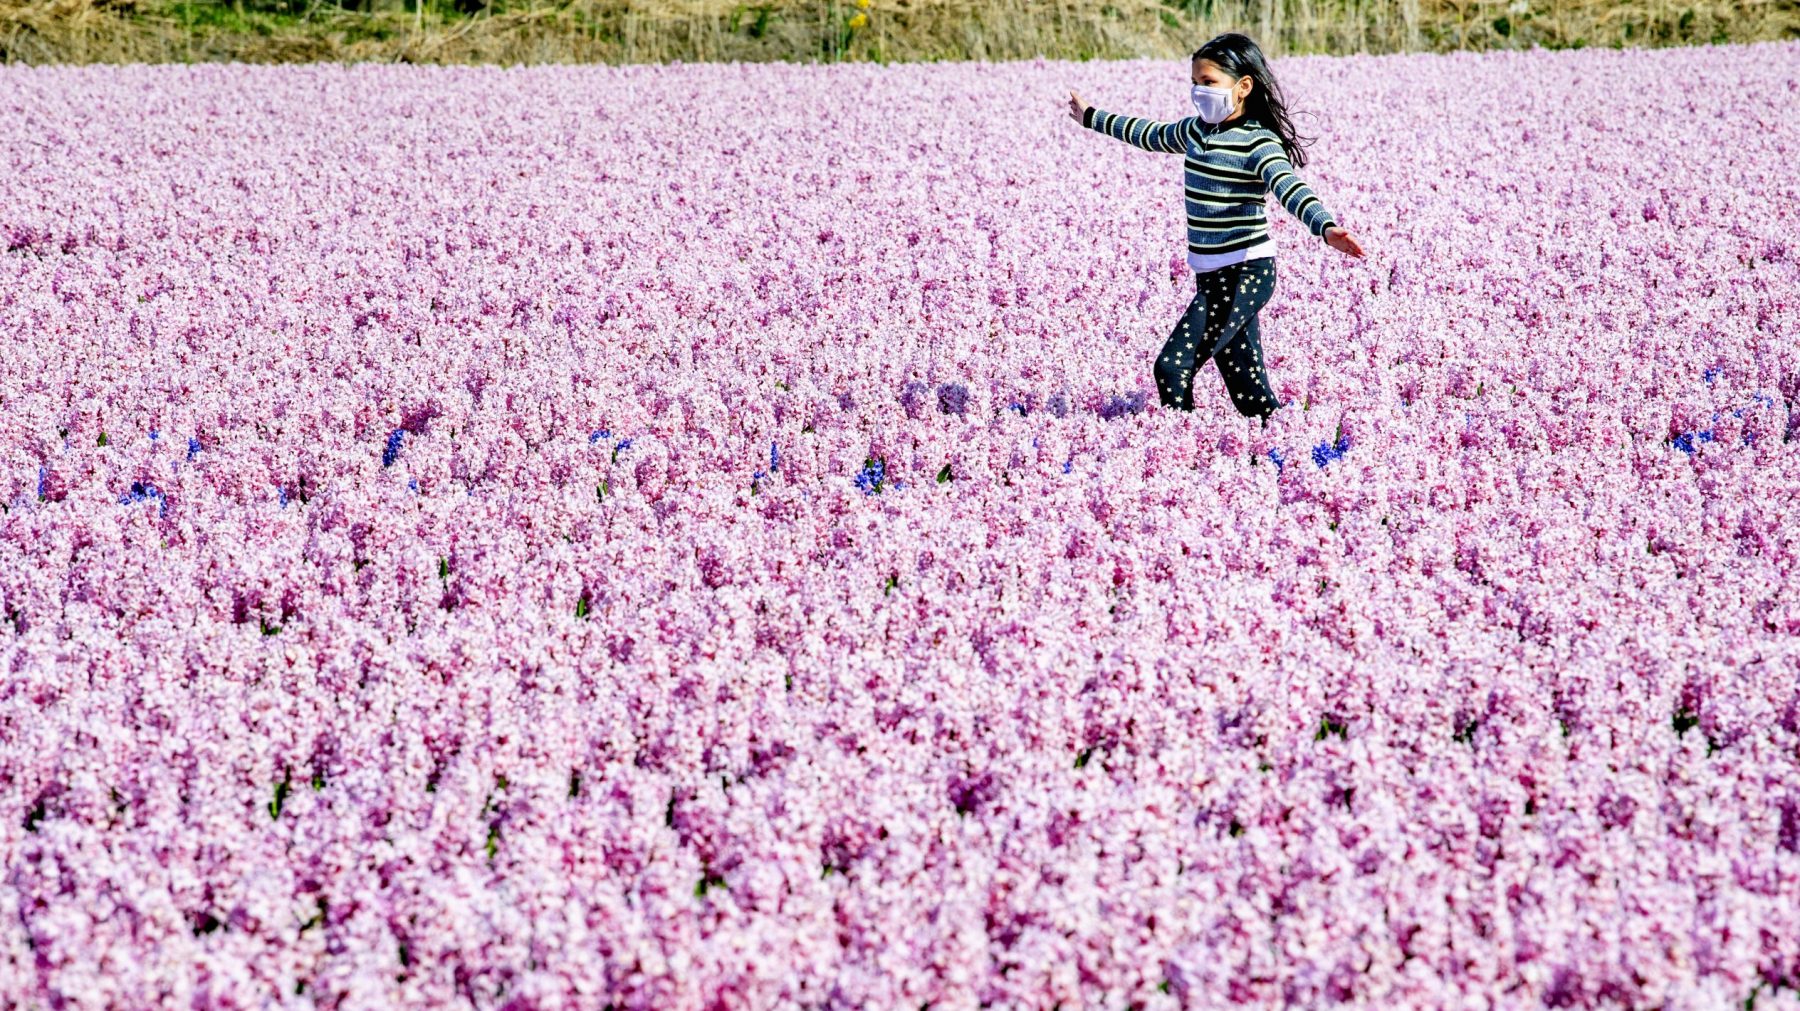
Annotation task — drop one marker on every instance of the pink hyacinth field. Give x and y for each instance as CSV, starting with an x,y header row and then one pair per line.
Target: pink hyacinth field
x,y
705,537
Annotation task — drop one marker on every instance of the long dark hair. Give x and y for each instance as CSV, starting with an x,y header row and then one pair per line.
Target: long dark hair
x,y
1238,56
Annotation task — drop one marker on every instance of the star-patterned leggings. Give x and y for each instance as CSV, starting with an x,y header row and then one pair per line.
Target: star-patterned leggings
x,y
1220,323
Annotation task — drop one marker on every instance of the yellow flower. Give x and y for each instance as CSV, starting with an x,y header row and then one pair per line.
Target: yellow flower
x,y
864,4
859,19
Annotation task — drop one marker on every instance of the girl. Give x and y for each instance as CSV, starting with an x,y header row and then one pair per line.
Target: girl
x,y
1239,148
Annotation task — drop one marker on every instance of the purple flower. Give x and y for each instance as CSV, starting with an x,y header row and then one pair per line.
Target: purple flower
x,y
912,398
953,398
1076,741
1118,406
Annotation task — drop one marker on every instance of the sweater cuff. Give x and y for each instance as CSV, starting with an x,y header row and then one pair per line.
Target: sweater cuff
x,y
1326,227
1087,116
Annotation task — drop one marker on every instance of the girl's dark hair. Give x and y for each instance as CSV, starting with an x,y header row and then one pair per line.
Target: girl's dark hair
x,y
1238,56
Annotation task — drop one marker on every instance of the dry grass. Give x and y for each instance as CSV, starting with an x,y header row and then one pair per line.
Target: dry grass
x,y
623,31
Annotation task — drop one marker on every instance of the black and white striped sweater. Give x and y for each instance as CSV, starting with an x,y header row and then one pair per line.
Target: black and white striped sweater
x,y
1229,168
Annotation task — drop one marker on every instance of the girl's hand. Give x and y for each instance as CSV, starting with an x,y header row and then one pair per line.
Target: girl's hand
x,y
1076,107
1342,241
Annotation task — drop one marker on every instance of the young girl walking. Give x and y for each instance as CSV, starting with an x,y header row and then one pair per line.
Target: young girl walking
x,y
1239,148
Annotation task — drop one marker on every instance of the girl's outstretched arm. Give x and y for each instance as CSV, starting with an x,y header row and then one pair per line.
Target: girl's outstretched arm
x,y
1278,175
1166,138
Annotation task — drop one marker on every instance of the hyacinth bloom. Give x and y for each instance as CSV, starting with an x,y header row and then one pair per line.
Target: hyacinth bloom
x,y
543,538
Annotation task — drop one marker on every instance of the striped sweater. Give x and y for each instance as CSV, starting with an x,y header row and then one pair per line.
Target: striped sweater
x,y
1229,170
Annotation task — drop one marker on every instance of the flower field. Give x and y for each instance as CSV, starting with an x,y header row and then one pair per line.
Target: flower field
x,y
704,536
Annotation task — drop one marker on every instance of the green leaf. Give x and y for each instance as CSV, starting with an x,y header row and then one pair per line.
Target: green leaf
x,y
581,606
102,439
1081,760
281,793
1684,720
944,475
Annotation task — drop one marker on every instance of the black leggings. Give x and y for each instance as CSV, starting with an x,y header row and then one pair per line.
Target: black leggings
x,y
1220,323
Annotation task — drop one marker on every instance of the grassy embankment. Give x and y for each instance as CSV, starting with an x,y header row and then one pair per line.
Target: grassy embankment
x,y
624,31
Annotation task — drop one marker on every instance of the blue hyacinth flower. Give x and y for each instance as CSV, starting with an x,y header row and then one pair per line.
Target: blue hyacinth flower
x,y
42,477
1684,442
282,491
1710,374
1070,462
392,452
774,457
1326,452
193,447
869,479
1275,455
141,490
594,437
153,434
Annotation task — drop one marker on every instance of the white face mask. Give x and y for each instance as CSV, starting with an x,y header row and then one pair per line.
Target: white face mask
x,y
1213,104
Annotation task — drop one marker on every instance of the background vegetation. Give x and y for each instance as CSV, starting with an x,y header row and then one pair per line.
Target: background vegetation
x,y
635,31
